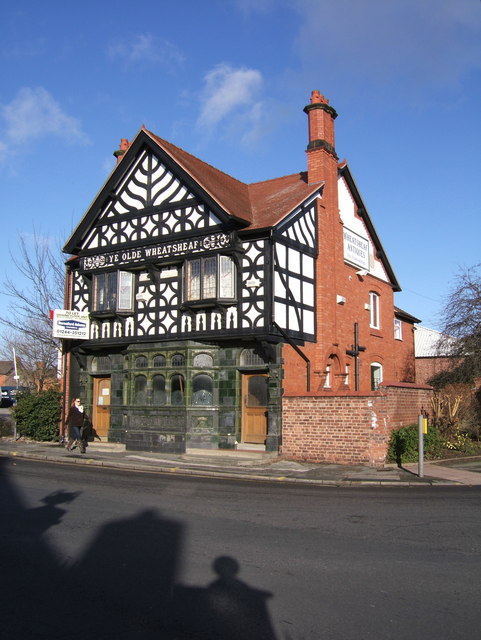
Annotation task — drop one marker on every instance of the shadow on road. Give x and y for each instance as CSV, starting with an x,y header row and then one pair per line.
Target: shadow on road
x,y
123,586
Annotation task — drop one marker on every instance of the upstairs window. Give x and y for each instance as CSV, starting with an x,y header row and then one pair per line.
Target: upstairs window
x,y
398,331
374,299
113,291
209,278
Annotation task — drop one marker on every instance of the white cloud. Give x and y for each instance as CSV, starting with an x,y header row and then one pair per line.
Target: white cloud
x,y
146,48
228,91
35,114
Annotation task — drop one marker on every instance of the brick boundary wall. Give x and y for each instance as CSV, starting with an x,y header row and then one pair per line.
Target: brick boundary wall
x,y
349,429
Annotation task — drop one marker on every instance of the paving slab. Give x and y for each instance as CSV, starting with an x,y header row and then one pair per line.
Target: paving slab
x,y
247,465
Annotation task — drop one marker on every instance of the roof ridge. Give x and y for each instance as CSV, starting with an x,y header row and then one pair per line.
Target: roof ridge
x,y
288,175
207,164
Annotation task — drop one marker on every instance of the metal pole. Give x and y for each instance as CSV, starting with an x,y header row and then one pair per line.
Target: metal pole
x,y
356,358
421,446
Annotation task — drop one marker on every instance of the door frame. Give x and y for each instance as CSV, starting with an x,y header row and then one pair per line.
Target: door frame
x,y
96,411
245,376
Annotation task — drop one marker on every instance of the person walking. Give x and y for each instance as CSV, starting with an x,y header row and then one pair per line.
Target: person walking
x,y
76,420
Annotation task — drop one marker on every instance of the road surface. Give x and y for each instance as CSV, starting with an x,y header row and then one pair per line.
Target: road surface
x,y
124,555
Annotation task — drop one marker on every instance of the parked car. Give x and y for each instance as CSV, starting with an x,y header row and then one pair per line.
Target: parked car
x,y
9,395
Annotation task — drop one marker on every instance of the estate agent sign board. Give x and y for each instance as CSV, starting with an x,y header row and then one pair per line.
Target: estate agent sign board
x,y
71,325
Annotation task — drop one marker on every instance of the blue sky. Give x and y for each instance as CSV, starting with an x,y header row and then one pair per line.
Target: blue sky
x,y
227,80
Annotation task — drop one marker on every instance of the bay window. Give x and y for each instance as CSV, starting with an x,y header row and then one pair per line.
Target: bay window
x,y
113,291
209,278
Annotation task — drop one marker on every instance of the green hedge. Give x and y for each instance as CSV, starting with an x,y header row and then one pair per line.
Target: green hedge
x,y
404,443
38,415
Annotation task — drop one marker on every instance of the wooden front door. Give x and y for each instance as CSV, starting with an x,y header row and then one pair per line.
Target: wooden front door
x,y
101,406
254,408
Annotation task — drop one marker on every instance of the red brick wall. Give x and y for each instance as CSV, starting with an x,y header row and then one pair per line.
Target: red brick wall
x,y
426,368
404,362
334,277
348,429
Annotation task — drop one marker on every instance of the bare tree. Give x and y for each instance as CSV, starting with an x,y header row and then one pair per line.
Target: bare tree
x,y
462,322
37,288
36,360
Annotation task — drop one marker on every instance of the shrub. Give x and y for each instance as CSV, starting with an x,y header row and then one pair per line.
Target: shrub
x,y
38,415
404,443
6,427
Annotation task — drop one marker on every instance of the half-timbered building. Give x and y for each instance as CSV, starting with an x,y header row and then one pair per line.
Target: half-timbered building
x,y
211,301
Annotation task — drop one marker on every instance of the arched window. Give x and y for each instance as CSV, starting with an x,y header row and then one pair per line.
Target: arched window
x,y
158,390
248,357
203,360
178,360
376,375
141,362
101,363
177,389
140,390
202,389
159,361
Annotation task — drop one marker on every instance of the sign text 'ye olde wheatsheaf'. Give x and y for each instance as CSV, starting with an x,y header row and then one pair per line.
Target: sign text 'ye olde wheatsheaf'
x,y
123,257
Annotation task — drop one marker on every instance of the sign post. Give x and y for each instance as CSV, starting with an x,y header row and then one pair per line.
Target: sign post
x,y
422,429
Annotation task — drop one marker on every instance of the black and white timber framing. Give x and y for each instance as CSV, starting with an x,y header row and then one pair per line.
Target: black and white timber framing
x,y
151,235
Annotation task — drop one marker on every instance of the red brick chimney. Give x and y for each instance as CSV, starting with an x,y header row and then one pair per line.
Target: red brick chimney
x,y
321,137
119,153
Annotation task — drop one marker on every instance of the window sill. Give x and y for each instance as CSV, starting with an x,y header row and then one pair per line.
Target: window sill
x,y
207,304
105,315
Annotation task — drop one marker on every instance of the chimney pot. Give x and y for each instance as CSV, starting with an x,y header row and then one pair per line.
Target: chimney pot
x,y
119,153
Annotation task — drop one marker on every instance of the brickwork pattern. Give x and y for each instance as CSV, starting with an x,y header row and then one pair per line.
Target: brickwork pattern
x,y
349,429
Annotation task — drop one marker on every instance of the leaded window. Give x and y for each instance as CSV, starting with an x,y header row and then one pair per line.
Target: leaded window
x,y
249,357
178,360
202,390
113,291
203,360
141,362
140,390
209,278
159,395
177,389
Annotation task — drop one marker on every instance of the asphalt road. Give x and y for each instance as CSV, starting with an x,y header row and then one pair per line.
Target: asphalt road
x,y
93,553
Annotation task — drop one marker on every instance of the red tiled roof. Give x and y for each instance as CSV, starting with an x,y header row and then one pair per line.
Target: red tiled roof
x,y
273,199
260,204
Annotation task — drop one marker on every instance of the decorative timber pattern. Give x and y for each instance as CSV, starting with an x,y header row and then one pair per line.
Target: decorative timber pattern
x,y
295,249
149,204
253,285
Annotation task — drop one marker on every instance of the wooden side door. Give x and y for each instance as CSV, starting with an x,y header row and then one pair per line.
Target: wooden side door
x,y
101,406
254,408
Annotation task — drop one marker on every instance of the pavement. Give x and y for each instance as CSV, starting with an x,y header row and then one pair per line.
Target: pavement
x,y
248,465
